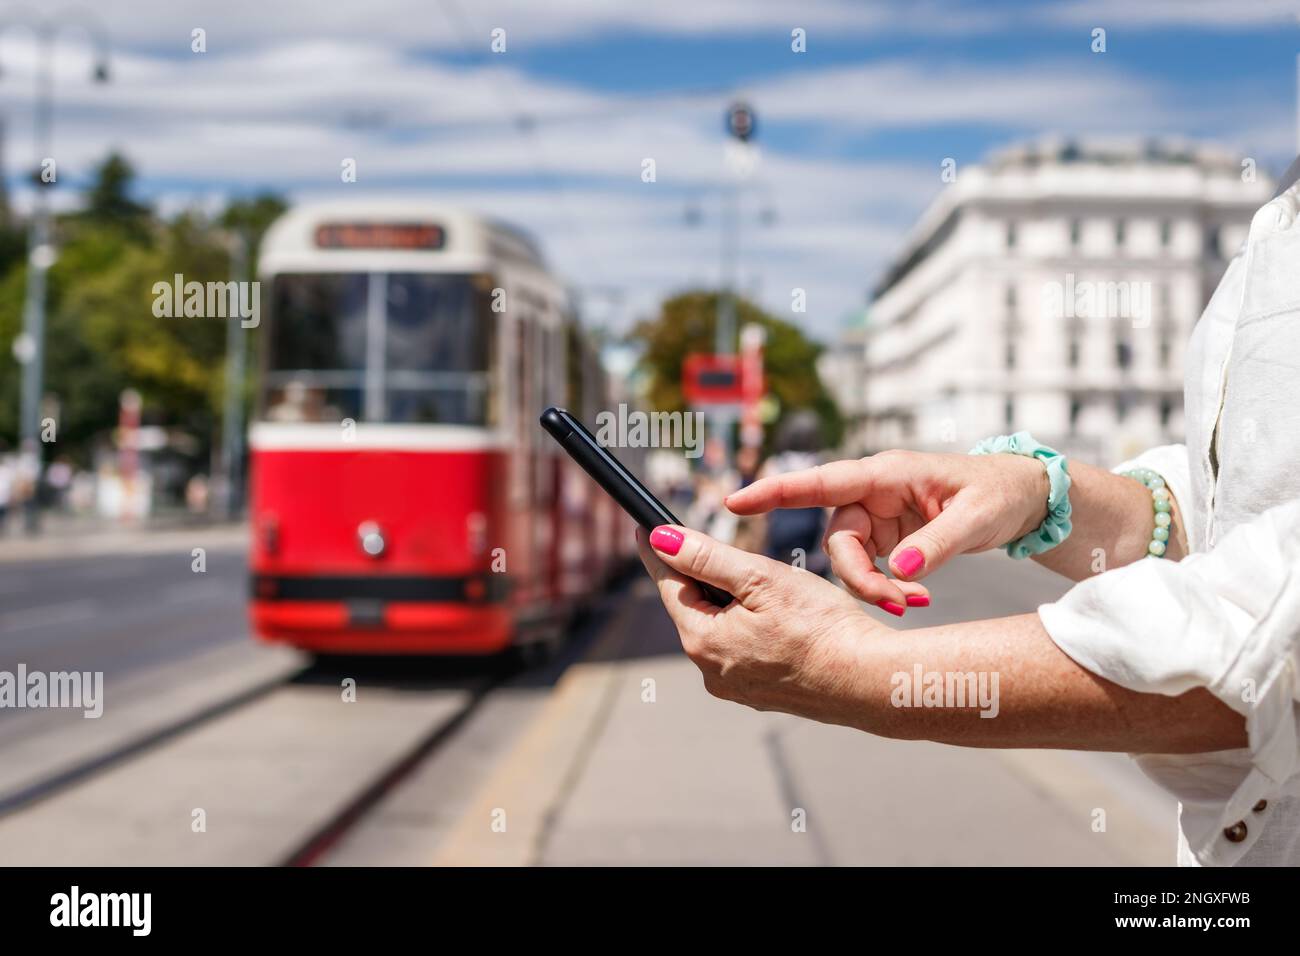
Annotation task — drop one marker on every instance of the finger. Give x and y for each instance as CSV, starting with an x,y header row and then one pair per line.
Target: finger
x,y
826,486
916,594
678,593
848,545
700,557
949,533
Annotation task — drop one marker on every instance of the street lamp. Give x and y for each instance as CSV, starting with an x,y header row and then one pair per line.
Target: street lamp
x,y
29,348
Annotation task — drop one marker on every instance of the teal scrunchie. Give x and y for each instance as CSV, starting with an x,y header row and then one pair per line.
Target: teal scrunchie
x,y
1056,526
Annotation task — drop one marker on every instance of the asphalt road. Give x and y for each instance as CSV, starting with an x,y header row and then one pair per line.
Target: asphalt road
x,y
119,613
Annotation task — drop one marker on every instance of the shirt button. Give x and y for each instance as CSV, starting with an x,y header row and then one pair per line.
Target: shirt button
x,y
1259,807
1236,833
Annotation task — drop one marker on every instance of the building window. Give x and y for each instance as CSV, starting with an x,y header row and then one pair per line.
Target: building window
x,y
1010,360
1121,409
1011,300
1076,233
1166,343
1076,408
1123,354
1009,412
1121,229
1073,355
1166,412
1011,235
1166,233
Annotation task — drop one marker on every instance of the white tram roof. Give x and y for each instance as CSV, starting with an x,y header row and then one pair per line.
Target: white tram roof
x,y
468,241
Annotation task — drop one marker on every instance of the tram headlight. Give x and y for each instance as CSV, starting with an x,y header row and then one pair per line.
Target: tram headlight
x,y
371,538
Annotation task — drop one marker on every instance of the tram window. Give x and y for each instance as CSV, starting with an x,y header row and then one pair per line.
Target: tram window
x,y
318,323
438,347
301,399
317,348
436,323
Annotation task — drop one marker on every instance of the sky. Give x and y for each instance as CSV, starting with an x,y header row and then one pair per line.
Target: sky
x,y
552,133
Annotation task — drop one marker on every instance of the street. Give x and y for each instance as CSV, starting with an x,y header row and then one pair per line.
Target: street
x,y
215,749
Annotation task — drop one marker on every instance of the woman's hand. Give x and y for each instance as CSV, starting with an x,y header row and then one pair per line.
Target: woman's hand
x,y
788,642
920,509
795,643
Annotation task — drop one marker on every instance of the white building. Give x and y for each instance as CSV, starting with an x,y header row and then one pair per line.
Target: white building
x,y
1053,289
841,370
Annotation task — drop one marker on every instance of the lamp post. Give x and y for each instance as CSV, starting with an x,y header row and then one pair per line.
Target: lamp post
x,y
741,157
232,427
29,347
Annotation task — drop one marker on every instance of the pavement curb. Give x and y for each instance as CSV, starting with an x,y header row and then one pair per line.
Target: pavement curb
x,y
529,785
122,542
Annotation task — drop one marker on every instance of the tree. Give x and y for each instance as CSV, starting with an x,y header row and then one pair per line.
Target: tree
x,y
101,333
109,202
686,323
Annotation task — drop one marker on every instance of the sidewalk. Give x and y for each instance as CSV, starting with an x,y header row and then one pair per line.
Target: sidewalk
x,y
66,537
603,776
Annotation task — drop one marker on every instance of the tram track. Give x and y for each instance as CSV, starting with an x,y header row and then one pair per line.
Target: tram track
x,y
284,769
52,784
291,764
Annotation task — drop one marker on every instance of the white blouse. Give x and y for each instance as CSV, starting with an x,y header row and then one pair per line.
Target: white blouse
x,y
1227,617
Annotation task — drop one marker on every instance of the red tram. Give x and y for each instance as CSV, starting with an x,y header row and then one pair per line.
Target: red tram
x,y
403,497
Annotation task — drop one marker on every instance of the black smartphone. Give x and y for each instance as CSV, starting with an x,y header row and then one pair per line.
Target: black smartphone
x,y
632,496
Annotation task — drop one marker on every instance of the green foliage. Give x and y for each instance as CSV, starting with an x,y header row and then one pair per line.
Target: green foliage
x,y
101,333
686,323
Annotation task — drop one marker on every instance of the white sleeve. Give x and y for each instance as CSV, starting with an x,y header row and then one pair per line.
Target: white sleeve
x,y
1227,620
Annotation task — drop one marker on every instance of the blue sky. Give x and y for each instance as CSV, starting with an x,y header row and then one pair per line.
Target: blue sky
x,y
851,132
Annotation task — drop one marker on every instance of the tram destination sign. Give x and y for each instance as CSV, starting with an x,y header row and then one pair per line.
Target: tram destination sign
x,y
380,235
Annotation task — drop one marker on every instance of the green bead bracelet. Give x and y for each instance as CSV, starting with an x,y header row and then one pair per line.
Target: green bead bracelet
x,y
1163,505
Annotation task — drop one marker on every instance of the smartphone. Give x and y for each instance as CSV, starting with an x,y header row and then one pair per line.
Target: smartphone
x,y
632,496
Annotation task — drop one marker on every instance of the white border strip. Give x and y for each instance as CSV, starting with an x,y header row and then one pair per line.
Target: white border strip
x,y
329,436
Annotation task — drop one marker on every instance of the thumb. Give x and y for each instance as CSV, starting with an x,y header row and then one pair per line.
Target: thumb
x,y
705,559
951,532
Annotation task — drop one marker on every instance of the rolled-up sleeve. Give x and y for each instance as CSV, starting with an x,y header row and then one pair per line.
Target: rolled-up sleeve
x,y
1228,620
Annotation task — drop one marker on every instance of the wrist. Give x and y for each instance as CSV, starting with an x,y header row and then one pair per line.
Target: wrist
x,y
1033,489
844,676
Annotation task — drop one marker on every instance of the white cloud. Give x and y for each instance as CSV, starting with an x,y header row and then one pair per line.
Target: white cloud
x,y
1207,14
288,90
918,93
165,25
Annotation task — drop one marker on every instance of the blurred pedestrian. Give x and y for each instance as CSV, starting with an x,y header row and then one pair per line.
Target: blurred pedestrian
x,y
794,534
7,479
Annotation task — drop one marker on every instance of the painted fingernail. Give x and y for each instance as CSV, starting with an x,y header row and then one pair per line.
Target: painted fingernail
x,y
893,607
665,539
909,561
918,600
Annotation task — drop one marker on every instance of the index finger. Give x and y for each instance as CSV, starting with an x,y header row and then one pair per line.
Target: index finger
x,y
826,486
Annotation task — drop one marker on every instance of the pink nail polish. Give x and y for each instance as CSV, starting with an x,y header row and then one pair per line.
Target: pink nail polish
x,y
918,600
909,561
665,539
893,607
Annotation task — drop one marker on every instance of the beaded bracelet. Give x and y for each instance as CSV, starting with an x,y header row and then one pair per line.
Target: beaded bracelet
x,y
1163,509
1056,526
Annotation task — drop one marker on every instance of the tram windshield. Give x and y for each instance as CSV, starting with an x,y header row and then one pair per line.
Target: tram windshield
x,y
379,347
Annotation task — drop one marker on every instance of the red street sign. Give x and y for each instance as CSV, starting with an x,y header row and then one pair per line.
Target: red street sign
x,y
709,379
